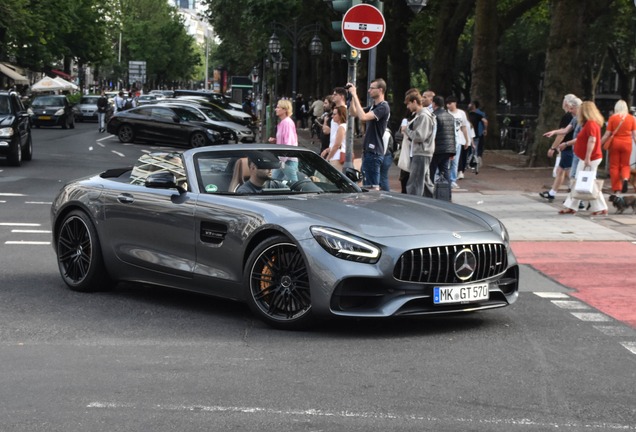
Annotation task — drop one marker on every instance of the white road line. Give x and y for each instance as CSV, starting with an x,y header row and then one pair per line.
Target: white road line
x,y
18,224
26,243
567,304
100,144
31,231
630,346
11,194
2,201
38,202
552,295
117,153
461,422
108,137
592,317
146,151
615,330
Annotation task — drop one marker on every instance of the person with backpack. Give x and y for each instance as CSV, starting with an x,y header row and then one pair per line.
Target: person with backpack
x,y
120,102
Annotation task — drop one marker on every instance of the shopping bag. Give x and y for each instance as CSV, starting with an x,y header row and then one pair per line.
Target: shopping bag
x,y
556,164
404,163
585,187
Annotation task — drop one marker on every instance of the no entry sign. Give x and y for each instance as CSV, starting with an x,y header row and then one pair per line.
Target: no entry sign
x,y
363,27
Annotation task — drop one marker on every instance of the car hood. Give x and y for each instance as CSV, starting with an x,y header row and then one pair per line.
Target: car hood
x,y
210,124
51,109
87,106
233,126
381,215
6,120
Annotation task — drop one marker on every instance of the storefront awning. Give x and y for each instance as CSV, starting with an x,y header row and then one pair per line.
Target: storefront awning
x,y
11,73
62,74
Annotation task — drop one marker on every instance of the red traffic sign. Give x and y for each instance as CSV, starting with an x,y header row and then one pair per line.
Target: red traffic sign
x,y
363,27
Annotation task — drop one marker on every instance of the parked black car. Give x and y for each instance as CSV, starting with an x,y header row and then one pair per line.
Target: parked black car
x,y
165,123
16,143
244,131
52,110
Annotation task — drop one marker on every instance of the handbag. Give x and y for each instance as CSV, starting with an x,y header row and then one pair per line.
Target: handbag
x,y
404,163
608,141
586,188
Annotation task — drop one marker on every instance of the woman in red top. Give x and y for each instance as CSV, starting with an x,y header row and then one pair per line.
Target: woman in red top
x,y
588,148
620,149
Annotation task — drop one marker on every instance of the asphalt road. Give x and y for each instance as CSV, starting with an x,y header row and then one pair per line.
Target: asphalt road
x,y
142,358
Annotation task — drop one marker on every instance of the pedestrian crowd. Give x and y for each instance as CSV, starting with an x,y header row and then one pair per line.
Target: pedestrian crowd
x,y
580,152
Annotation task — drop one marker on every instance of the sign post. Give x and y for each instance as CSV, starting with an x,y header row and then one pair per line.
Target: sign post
x,y
136,72
363,28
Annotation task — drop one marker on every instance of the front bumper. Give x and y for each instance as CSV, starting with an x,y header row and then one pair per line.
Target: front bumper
x,y
46,120
345,288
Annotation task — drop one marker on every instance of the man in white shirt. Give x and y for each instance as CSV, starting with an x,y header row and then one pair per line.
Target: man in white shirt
x,y
119,101
462,126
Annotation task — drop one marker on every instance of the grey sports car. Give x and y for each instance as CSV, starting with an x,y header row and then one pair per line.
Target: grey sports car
x,y
281,229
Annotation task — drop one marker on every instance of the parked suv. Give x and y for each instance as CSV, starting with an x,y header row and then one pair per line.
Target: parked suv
x,y
15,130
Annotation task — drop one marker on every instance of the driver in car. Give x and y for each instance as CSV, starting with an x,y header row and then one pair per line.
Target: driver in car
x,y
261,166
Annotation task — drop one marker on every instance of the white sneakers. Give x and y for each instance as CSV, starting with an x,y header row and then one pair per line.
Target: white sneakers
x,y
460,176
454,185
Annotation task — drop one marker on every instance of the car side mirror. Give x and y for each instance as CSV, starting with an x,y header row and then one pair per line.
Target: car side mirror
x,y
163,180
353,174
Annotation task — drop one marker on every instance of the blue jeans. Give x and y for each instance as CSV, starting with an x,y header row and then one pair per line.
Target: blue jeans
x,y
454,162
384,172
371,166
289,172
575,164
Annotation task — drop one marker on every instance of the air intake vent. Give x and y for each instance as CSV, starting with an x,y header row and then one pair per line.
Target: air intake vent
x,y
437,264
213,232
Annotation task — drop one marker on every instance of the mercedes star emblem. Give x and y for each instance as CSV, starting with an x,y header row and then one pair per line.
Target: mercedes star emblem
x,y
465,264
456,235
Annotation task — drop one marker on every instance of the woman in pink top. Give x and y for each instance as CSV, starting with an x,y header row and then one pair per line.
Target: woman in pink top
x,y
286,134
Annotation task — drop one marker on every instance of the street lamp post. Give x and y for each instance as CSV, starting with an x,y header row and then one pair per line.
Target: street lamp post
x,y
295,34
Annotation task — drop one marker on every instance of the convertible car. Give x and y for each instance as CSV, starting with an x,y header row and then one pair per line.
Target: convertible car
x,y
281,229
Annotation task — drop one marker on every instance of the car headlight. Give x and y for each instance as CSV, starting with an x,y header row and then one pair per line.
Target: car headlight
x,y
245,132
213,133
30,111
346,246
505,236
59,112
6,132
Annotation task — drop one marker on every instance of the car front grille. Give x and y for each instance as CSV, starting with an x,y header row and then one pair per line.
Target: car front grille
x,y
436,264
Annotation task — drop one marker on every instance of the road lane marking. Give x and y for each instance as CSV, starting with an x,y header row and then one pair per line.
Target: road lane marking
x,y
21,242
312,412
630,346
146,151
31,231
2,201
615,330
568,304
117,153
38,202
592,317
552,295
108,137
11,194
18,224
100,144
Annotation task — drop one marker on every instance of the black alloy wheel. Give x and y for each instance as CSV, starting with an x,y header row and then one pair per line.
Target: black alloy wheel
x,y
197,140
79,254
27,152
15,158
126,133
278,283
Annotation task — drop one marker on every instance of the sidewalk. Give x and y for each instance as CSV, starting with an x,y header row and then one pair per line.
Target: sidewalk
x,y
508,190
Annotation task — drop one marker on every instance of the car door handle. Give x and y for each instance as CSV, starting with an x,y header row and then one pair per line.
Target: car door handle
x,y
125,198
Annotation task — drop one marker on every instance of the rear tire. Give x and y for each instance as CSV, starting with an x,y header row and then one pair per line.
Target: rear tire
x,y
126,133
79,255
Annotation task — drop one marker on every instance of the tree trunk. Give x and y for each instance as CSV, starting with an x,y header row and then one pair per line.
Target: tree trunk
x,y
624,75
569,27
450,25
484,66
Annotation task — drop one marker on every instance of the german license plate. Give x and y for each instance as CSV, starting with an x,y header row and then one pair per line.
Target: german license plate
x,y
460,294
45,118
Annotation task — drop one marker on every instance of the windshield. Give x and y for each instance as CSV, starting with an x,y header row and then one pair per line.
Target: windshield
x,y
4,105
48,102
217,114
280,172
189,114
88,101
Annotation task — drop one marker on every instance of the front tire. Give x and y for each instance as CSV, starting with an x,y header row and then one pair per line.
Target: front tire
x,y
15,158
126,133
79,254
197,140
27,153
278,284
